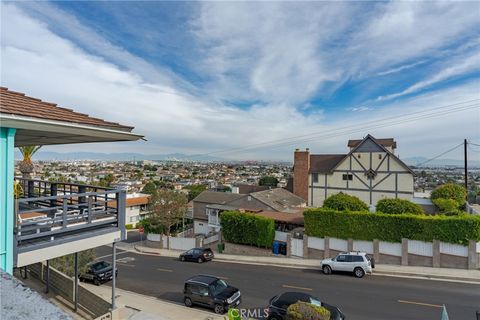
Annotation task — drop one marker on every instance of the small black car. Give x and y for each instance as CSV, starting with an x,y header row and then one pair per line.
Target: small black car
x,y
277,310
197,254
211,292
98,272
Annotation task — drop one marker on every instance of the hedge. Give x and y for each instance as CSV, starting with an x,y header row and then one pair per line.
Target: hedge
x,y
391,227
398,206
344,202
243,228
307,311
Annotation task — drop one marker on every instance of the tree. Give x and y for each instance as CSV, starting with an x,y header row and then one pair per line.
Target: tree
x,y
26,165
66,264
450,191
344,202
149,188
268,181
107,180
194,190
167,208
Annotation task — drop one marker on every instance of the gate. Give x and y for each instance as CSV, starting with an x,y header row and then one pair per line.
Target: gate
x,y
296,247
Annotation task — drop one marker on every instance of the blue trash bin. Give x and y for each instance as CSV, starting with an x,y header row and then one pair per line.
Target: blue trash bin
x,y
276,247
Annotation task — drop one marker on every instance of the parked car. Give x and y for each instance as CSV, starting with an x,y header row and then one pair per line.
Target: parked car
x,y
356,262
277,309
211,292
197,254
98,272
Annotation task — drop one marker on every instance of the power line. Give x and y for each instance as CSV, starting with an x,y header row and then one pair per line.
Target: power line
x,y
347,130
438,156
297,139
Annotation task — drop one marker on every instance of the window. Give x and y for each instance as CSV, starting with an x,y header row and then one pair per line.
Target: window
x,y
359,156
380,156
315,177
342,258
357,258
348,177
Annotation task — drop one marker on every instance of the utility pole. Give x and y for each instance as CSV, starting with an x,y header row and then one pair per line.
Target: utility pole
x,y
465,163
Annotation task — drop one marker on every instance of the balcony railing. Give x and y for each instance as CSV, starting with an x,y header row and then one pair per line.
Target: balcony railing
x,y
50,209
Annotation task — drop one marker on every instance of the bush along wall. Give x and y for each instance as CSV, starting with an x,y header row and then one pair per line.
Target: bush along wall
x,y
391,227
398,206
244,228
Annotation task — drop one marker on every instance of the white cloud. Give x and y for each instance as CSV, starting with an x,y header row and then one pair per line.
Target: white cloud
x,y
115,86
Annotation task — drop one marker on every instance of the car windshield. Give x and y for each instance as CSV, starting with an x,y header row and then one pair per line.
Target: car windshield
x,y
100,266
218,286
315,302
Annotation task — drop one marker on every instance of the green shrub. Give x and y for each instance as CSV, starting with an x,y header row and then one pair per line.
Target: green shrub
x,y
307,311
129,226
344,202
450,191
151,226
392,228
243,228
398,206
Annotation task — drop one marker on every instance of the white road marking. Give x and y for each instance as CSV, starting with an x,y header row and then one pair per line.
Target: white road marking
x,y
421,304
295,287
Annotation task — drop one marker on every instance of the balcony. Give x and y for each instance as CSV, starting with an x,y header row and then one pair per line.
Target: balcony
x,y
70,217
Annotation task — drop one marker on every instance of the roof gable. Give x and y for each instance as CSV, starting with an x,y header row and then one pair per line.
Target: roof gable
x,y
325,163
214,197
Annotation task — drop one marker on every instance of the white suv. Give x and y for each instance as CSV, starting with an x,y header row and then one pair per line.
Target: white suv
x,y
357,262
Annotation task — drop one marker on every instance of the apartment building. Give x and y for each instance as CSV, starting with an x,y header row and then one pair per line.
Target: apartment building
x,y
370,171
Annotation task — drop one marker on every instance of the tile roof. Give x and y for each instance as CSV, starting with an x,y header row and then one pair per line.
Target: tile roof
x,y
324,163
16,103
387,142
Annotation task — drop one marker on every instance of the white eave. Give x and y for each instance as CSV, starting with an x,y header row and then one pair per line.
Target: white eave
x,y
36,131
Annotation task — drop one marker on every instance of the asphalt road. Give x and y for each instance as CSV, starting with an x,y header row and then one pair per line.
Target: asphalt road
x,y
372,297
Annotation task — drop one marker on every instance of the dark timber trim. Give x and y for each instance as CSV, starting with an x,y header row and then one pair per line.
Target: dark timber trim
x,y
383,179
364,190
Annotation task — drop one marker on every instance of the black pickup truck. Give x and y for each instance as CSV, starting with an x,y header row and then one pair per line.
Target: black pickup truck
x,y
98,272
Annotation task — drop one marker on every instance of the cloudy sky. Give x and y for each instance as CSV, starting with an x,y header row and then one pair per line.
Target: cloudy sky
x,y
254,80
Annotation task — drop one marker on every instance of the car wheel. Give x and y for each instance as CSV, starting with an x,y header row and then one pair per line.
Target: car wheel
x,y
200,260
358,272
219,309
327,270
182,258
96,282
188,302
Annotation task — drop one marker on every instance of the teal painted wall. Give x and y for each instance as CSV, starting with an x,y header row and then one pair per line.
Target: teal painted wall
x,y
7,136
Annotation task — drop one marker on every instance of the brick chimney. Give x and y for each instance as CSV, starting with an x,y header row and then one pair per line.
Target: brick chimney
x,y
301,166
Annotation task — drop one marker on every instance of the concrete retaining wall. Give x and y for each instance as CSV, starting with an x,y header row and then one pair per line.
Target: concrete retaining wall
x,y
232,248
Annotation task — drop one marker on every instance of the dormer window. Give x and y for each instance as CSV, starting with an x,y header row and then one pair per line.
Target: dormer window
x,y
371,174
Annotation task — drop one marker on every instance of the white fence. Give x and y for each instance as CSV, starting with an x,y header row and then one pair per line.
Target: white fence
x,y
153,237
390,248
297,247
421,248
181,243
454,249
415,247
281,236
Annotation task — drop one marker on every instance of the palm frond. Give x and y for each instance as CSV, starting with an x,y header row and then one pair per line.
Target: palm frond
x,y
28,152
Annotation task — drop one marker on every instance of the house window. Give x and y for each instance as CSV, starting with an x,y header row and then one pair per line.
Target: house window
x,y
348,177
359,156
315,177
380,156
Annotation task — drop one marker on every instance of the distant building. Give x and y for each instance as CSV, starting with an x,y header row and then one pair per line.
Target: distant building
x,y
370,171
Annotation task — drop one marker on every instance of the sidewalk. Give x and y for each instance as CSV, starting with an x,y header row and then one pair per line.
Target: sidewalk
x,y
150,308
445,274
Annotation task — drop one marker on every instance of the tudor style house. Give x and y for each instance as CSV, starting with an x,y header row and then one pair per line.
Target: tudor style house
x,y
370,171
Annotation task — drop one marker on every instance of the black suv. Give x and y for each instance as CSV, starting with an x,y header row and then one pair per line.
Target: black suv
x,y
277,309
98,272
211,292
197,254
